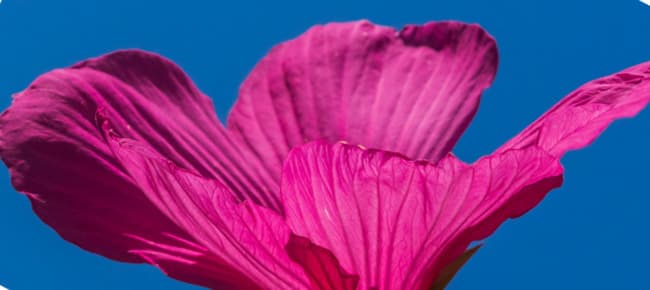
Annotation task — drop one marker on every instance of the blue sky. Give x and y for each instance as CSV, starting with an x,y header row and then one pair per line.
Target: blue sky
x,y
590,234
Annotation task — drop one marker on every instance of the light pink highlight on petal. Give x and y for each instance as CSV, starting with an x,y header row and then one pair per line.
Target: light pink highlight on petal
x,y
396,223
413,91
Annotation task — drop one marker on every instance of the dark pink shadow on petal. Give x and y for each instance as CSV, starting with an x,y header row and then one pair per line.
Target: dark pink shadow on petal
x,y
322,267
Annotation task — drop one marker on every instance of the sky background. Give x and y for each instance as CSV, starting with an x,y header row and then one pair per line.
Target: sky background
x,y
590,234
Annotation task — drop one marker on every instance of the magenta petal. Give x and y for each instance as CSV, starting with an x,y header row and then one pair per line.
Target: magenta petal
x,y
244,237
396,223
193,263
147,98
321,266
581,116
412,92
57,154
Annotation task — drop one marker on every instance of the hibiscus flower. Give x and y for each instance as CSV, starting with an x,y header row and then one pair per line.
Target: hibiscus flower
x,y
334,170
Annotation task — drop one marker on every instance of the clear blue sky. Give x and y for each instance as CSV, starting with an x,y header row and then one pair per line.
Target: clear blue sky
x,y
590,234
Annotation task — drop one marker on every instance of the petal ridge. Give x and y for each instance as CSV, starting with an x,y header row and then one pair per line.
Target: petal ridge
x,y
244,237
52,142
369,85
396,223
580,117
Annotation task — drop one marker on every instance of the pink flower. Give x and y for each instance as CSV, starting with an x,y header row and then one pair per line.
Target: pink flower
x,y
124,157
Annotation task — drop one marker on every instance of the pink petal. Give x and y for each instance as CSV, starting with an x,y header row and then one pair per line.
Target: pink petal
x,y
412,92
244,237
193,263
57,155
447,273
396,223
581,116
321,266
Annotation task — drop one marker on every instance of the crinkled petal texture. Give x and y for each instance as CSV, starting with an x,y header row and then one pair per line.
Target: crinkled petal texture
x,y
245,238
51,141
57,154
396,223
413,91
218,221
581,116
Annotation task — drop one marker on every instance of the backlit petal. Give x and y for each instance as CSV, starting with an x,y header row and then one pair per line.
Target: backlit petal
x,y
193,263
396,223
581,116
58,156
243,236
413,91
